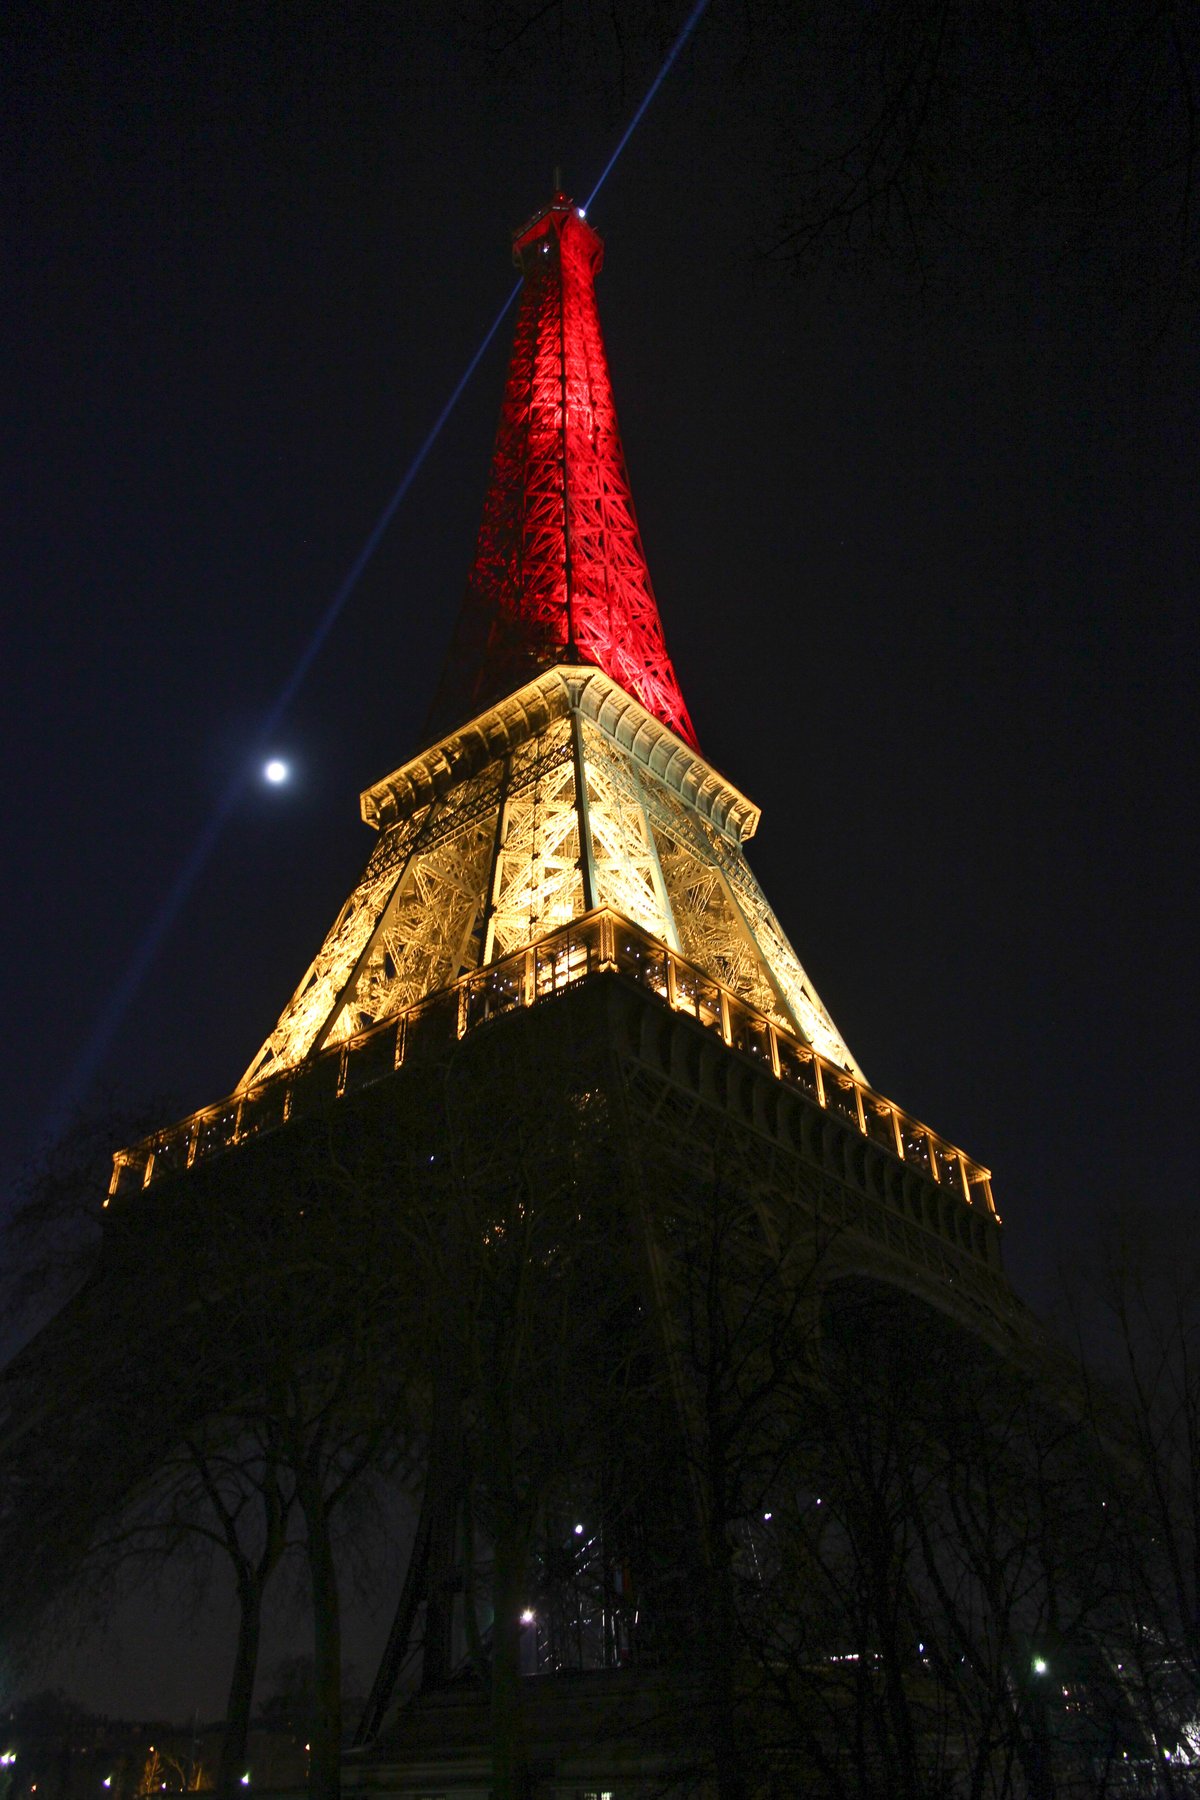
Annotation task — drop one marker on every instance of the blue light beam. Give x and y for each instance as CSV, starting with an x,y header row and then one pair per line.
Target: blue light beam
x,y
689,25
333,610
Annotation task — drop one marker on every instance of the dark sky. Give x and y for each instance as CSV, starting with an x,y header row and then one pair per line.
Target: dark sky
x,y
925,558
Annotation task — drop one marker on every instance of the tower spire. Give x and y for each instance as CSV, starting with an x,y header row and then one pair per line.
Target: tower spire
x,y
559,574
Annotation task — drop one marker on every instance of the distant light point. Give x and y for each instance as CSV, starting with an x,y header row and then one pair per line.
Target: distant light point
x,y
276,770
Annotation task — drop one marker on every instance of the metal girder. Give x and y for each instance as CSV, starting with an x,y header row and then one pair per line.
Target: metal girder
x,y
318,1010
314,1000
509,853
745,909
710,932
424,940
627,873
537,883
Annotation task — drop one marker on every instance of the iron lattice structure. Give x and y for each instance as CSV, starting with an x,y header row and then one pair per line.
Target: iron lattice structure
x,y
565,796
559,575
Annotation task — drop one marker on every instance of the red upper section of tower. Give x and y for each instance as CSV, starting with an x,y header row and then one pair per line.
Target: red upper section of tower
x,y
559,574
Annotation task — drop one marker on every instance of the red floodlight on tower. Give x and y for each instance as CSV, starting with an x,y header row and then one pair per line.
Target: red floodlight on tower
x,y
559,574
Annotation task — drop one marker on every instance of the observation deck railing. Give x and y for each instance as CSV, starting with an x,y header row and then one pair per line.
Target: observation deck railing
x,y
601,940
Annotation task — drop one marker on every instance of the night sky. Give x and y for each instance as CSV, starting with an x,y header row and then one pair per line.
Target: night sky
x,y
925,555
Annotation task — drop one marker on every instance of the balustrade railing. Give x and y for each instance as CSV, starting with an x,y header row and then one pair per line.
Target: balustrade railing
x,y
601,940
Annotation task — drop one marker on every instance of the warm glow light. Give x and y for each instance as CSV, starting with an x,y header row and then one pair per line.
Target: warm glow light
x,y
276,770
530,604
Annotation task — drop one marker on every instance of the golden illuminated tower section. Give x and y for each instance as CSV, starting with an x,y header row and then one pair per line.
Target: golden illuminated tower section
x,y
565,797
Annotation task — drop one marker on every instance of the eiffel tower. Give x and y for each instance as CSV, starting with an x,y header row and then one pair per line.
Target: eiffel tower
x,y
559,918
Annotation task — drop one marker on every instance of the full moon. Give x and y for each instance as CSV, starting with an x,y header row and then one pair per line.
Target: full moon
x,y
275,770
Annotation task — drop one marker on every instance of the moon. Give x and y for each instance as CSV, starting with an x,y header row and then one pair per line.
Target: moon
x,y
276,770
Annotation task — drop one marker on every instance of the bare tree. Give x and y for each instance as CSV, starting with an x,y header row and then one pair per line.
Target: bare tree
x,y
243,1347
913,137
224,1491
1137,1311
321,1312
741,1277
911,1579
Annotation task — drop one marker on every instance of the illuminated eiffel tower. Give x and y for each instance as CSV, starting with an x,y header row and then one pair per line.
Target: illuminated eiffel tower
x,y
565,776
560,896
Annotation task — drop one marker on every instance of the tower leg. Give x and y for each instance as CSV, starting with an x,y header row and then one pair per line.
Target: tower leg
x,y
429,1579
416,1584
